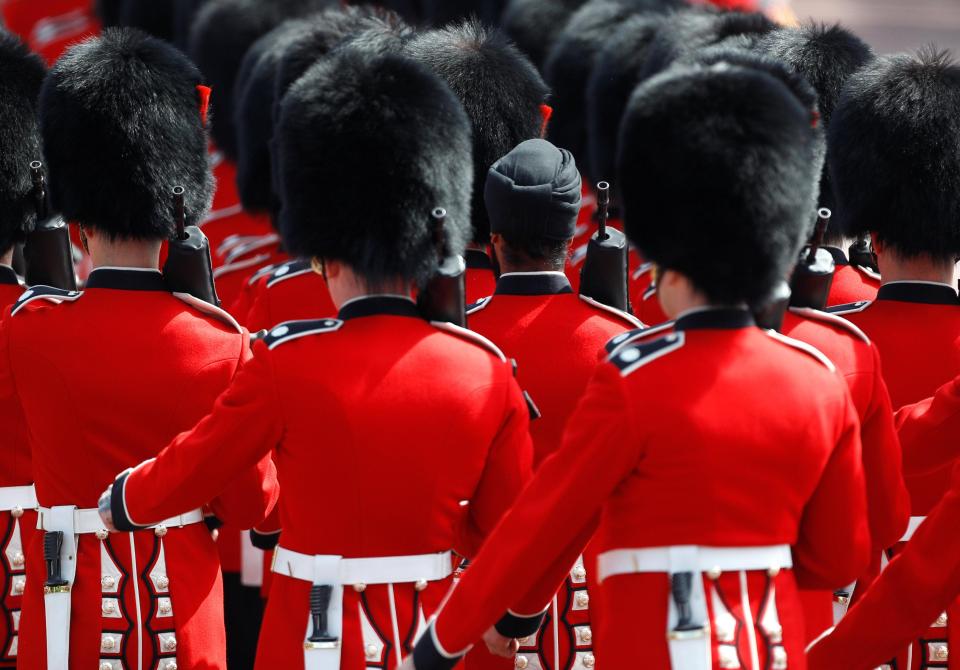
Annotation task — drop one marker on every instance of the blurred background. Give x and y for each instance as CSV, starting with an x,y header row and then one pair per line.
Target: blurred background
x,y
891,25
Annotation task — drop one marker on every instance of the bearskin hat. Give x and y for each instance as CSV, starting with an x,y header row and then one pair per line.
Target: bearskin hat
x,y
151,16
693,204
21,74
500,89
826,56
222,32
439,13
184,12
367,145
122,126
570,61
535,24
894,143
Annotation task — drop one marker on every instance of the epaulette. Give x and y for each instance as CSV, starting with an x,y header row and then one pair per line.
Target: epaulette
x,y
849,308
630,359
478,305
232,241
210,310
290,270
804,347
263,272
831,319
245,264
635,335
650,292
48,293
222,213
630,319
869,272
260,242
579,254
294,330
642,270
470,336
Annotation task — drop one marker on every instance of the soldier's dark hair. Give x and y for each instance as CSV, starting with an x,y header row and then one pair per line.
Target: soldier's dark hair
x,y
894,142
520,250
499,88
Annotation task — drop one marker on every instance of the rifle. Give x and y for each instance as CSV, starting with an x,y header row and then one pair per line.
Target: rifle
x,y
47,251
444,298
861,253
189,268
605,275
813,276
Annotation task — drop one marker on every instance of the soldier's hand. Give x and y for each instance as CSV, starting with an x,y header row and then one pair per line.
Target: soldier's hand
x,y
103,506
499,645
407,664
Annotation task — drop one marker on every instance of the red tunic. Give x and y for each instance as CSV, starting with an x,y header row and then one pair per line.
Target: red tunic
x,y
481,278
851,283
680,441
227,218
291,292
150,367
241,264
50,26
536,319
381,424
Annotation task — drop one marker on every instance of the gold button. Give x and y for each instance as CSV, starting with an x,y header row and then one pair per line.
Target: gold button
x,y
775,634
108,644
941,620
372,651
109,606
163,582
165,608
18,585
170,665
589,661
774,571
170,643
941,652
586,634
420,585
102,534
108,581
583,599
714,573
359,588
160,530
579,573
16,512
18,559
521,662
526,642
106,665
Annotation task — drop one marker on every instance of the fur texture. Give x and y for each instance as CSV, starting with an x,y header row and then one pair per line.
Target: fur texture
x,y
718,167
120,117
500,89
368,145
895,153
21,74
184,12
223,30
568,66
535,25
151,16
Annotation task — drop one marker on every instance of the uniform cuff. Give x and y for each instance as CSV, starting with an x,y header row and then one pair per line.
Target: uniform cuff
x,y
518,626
265,541
212,522
118,505
429,655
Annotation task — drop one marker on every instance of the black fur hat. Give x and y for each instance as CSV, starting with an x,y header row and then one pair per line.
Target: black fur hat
x,y
121,123
535,24
184,12
222,32
21,74
894,143
151,16
692,201
826,56
568,66
367,146
439,13
500,89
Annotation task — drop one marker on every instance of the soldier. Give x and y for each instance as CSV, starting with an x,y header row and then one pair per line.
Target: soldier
x,y
398,440
533,198
699,471
121,123
534,25
889,163
504,97
827,56
150,16
19,146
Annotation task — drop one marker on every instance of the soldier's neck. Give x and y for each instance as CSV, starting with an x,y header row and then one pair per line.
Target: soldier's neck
x,y
896,268
124,254
7,258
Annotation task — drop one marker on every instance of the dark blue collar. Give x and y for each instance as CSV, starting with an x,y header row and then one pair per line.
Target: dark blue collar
x,y
125,279
379,305
533,283
477,260
717,318
8,276
925,293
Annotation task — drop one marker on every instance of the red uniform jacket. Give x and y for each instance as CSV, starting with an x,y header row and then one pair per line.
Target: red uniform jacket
x,y
227,218
481,275
928,430
554,336
149,367
289,291
50,26
916,588
680,441
17,532
851,283
392,437
241,264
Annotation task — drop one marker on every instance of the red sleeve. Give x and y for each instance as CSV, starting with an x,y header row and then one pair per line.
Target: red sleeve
x,y
833,546
928,430
508,468
912,592
258,318
231,442
888,501
523,555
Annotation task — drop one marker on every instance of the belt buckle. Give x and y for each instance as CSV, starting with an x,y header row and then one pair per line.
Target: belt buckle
x,y
326,644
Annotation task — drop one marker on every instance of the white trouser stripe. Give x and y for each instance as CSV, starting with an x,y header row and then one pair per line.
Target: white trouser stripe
x,y
749,622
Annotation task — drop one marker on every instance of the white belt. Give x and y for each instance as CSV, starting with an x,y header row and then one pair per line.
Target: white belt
x,y
336,571
88,521
14,497
915,522
689,646
693,558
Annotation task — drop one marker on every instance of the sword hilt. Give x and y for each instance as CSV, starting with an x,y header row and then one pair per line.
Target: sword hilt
x,y
682,592
52,546
320,595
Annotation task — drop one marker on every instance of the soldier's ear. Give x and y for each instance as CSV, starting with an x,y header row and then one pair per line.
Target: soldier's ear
x,y
546,111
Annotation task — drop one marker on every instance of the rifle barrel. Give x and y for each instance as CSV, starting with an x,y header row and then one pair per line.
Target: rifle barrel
x,y
603,208
179,212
